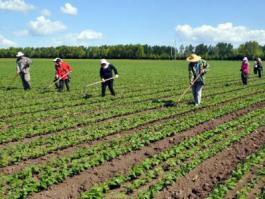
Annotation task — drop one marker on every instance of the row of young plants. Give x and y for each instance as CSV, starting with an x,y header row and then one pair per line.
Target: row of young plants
x,y
43,105
51,97
261,194
151,169
172,176
258,177
84,107
67,107
13,153
38,177
244,168
59,108
41,128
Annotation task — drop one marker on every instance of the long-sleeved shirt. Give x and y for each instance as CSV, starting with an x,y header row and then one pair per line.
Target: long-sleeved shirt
x,y
195,70
106,73
245,68
23,64
259,65
62,70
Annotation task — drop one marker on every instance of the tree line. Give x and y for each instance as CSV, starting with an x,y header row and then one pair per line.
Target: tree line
x,y
221,51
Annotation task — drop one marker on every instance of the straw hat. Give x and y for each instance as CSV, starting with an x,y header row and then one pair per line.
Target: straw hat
x,y
193,58
20,54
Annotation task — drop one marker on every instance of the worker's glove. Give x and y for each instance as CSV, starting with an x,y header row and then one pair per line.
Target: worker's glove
x,y
103,80
57,76
116,76
191,82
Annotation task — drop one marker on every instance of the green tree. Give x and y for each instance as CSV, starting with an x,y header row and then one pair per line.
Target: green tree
x,y
251,49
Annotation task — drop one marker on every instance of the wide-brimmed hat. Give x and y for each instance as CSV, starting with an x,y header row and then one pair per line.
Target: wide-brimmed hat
x,y
57,59
20,54
193,58
104,61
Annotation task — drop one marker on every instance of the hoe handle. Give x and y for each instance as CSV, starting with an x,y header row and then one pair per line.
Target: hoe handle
x,y
180,98
100,81
59,79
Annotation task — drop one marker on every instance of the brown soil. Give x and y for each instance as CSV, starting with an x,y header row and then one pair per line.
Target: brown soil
x,y
72,187
257,189
50,118
65,151
243,181
108,119
200,181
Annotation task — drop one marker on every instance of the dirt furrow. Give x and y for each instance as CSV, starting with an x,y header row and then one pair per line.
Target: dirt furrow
x,y
70,149
257,189
108,119
72,187
200,181
245,179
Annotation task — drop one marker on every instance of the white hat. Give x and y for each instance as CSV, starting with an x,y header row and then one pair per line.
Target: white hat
x,y
20,54
57,59
104,61
245,59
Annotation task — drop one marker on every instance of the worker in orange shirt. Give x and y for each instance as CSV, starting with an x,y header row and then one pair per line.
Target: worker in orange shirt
x,y
62,74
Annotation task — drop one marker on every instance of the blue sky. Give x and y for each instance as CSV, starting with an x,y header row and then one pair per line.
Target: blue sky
x,y
97,22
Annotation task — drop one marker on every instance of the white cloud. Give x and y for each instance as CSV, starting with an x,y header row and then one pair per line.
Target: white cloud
x,y
225,32
69,9
5,42
44,26
46,13
16,5
86,35
81,38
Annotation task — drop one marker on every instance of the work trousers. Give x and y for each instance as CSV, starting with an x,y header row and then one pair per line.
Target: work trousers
x,y
197,92
61,84
259,72
25,80
108,84
244,78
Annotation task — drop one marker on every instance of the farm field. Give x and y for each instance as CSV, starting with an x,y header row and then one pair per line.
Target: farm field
x,y
61,145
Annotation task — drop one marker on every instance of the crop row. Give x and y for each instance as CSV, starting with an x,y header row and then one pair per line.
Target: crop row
x,y
29,111
38,128
172,176
242,169
175,157
42,146
54,98
39,177
126,89
85,108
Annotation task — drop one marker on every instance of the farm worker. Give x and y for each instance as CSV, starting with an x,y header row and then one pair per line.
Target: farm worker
x,y
62,74
259,67
244,71
197,69
23,66
106,74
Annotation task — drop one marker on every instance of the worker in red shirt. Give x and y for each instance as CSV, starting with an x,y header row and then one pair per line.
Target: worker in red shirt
x,y
62,74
